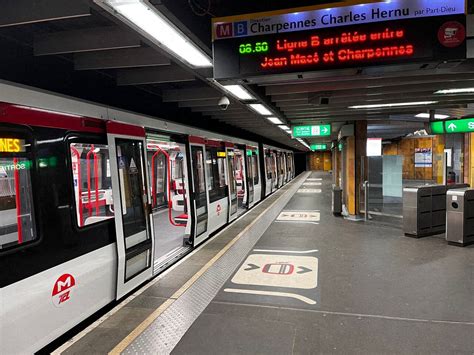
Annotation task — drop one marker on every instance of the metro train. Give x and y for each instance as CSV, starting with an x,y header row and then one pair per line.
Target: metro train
x,y
95,201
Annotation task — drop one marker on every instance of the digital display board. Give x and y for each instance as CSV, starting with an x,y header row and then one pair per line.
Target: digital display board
x,y
12,145
391,42
312,131
319,146
465,125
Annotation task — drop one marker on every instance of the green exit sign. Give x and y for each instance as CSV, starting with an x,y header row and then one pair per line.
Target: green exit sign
x,y
465,125
319,147
312,131
459,126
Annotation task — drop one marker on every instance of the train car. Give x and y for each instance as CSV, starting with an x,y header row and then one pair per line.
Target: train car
x,y
276,171
94,201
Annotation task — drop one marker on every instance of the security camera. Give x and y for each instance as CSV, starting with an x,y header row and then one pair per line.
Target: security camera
x,y
223,103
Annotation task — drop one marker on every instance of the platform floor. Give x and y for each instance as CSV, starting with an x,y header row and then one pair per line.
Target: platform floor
x,y
311,283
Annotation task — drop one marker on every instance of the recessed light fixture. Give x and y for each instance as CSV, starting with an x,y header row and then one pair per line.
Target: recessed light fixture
x,y
397,104
274,120
284,127
239,92
436,116
455,91
260,109
152,24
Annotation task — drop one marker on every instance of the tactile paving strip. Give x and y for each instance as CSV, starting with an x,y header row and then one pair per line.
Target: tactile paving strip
x,y
167,330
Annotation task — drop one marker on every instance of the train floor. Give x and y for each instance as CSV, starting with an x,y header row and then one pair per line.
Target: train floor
x,y
290,278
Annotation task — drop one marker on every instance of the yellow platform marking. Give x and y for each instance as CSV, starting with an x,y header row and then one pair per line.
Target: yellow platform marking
x,y
153,316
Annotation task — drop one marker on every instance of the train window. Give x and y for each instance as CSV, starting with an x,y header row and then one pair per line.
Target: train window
x,y
17,224
269,166
215,167
256,177
198,174
92,183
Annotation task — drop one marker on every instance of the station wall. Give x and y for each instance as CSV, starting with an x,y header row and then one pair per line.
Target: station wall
x,y
320,161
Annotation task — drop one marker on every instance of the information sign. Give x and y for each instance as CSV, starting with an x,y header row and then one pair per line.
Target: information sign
x,y
391,42
465,125
459,126
319,146
312,131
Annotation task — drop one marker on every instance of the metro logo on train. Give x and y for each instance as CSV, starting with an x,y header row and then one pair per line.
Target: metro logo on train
x,y
62,289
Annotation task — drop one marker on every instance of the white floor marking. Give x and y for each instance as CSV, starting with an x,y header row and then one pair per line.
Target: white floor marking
x,y
278,270
309,191
271,293
314,179
296,216
312,183
300,222
287,251
359,315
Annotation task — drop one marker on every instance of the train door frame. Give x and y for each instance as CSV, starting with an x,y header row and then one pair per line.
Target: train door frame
x,y
233,202
200,212
257,187
127,255
218,208
249,177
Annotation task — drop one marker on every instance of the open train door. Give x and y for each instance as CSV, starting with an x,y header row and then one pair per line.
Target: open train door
x,y
131,205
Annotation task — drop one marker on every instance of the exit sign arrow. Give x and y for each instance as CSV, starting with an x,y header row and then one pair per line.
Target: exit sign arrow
x,y
452,127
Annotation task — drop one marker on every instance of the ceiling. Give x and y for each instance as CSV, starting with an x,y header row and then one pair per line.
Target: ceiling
x,y
78,49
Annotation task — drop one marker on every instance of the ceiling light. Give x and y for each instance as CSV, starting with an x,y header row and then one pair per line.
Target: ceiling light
x,y
398,104
259,108
284,127
456,91
274,120
152,24
239,92
436,116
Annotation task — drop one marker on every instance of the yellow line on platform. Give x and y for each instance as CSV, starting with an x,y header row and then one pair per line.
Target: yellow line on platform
x,y
153,316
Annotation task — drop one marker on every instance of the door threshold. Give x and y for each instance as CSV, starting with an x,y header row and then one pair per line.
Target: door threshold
x,y
170,258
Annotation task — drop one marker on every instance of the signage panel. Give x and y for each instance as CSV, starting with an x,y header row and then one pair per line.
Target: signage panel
x,y
320,17
12,145
312,131
437,127
395,42
319,147
459,126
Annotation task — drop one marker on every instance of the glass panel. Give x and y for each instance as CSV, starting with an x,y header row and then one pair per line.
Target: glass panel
x,y
132,190
255,169
17,225
92,183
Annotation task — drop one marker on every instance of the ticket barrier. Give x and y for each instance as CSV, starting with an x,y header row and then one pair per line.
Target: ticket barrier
x,y
460,217
424,209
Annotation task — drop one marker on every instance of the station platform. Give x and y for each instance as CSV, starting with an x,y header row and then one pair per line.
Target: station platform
x,y
288,277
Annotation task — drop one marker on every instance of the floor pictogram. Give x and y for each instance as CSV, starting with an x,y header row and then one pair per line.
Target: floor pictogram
x,y
299,216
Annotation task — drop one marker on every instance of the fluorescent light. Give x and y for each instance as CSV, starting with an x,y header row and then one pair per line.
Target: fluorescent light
x,y
259,108
160,30
456,91
238,91
284,127
398,104
274,120
436,116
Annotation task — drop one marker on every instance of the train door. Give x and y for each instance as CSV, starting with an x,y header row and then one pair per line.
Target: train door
x,y
232,183
257,181
250,178
131,201
275,171
285,167
217,189
200,199
281,174
240,179
268,172
169,198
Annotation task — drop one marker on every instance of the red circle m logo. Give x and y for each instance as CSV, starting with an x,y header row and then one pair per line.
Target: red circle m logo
x,y
62,289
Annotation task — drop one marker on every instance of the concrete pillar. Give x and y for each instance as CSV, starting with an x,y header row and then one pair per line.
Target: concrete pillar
x,y
355,147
